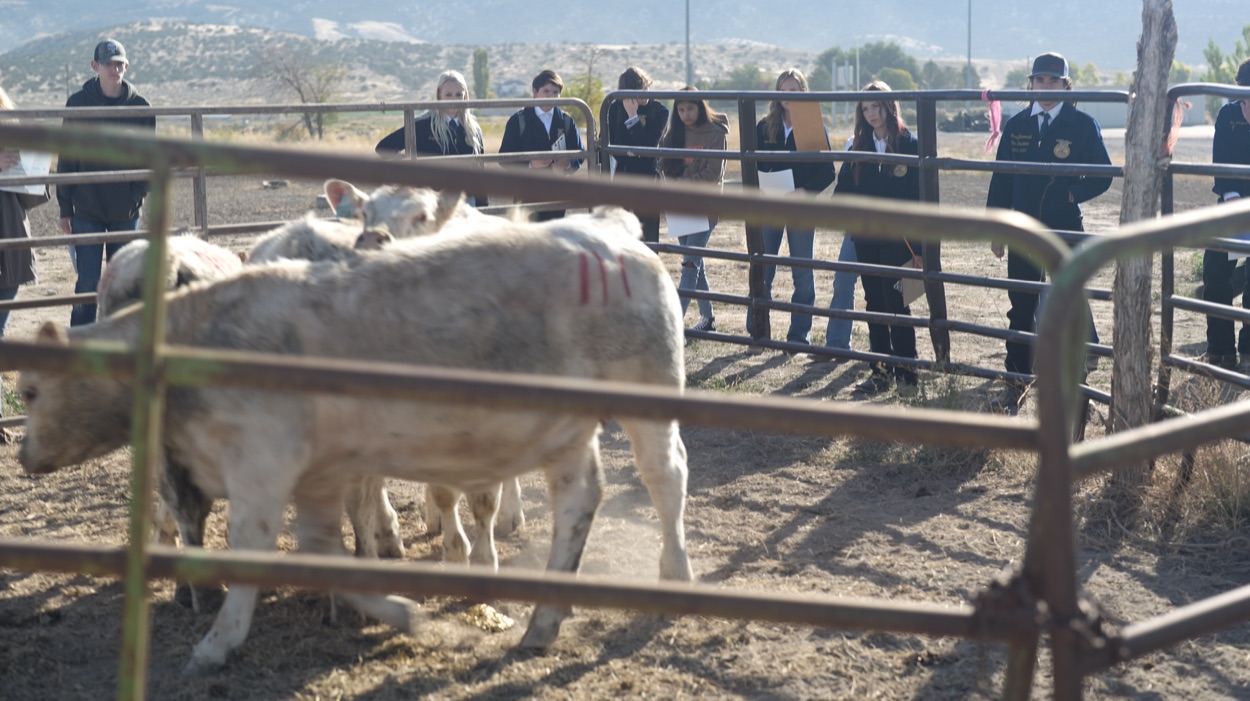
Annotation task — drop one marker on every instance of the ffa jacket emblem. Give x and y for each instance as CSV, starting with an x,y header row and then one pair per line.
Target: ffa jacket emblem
x,y
1063,148
900,170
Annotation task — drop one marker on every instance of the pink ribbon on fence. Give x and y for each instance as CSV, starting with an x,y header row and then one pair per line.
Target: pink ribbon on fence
x,y
995,115
1174,134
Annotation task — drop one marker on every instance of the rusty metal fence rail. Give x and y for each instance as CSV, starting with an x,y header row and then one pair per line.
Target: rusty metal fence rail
x,y
1041,600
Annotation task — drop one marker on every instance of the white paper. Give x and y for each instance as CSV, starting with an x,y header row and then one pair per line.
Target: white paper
x,y
1238,256
31,163
777,181
685,224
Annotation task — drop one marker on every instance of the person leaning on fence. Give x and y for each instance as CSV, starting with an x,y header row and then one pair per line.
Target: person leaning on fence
x,y
543,129
98,207
879,128
17,265
1231,145
442,132
775,133
694,125
637,122
1047,131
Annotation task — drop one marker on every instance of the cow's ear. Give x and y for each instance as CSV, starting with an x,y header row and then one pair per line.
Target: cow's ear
x,y
52,334
335,189
448,202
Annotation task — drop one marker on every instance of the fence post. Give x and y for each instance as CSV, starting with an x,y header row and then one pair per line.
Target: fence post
x,y
199,186
935,291
760,329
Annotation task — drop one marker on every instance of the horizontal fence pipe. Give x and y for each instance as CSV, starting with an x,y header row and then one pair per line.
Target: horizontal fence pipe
x,y
193,367
326,573
1209,615
1147,442
866,216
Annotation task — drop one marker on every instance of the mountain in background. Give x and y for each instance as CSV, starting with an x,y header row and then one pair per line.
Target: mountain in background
x,y
1104,33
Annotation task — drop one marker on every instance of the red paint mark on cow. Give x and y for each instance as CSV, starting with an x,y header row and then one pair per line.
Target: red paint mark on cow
x,y
624,275
585,274
603,277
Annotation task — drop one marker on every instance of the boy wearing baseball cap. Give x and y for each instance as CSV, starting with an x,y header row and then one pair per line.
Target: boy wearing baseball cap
x,y
1049,130
99,207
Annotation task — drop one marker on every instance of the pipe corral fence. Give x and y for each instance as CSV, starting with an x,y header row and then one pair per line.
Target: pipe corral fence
x,y
1040,598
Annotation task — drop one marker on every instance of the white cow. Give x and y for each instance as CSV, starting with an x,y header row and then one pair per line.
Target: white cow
x,y
391,213
578,297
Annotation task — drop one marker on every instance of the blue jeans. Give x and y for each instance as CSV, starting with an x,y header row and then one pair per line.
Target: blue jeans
x,y
90,262
7,294
838,333
801,243
693,274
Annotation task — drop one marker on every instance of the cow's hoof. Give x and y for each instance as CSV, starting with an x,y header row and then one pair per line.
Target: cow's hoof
x,y
506,526
544,626
391,548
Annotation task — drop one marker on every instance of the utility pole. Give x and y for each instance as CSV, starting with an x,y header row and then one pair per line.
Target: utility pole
x,y
968,69
689,64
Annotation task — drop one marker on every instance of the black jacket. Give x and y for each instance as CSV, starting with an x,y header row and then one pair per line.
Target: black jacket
x,y
525,132
1232,146
103,202
893,181
652,118
813,176
423,128
1073,137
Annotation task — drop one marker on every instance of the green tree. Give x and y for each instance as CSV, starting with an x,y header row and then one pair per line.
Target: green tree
x,y
1085,76
1222,68
897,78
821,76
748,77
1181,73
879,55
935,77
1017,78
481,75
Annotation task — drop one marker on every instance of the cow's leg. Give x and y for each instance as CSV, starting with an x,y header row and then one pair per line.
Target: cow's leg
x,y
317,527
445,501
374,520
484,503
661,458
511,514
433,515
189,507
575,480
255,521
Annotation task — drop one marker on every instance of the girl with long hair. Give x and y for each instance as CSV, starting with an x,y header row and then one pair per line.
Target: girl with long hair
x,y
694,125
450,131
775,133
879,128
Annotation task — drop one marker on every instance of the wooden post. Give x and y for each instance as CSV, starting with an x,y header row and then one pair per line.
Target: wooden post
x,y
1149,121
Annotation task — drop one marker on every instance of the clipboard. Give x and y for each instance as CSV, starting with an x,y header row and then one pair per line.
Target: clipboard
x,y
911,288
809,127
31,163
777,180
684,224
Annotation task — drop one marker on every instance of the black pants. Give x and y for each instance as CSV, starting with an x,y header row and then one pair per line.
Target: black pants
x,y
1023,313
881,295
1217,286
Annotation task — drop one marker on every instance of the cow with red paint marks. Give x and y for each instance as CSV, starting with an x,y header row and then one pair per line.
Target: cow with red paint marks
x,y
577,297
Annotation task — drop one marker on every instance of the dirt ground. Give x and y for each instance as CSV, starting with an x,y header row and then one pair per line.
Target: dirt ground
x,y
766,513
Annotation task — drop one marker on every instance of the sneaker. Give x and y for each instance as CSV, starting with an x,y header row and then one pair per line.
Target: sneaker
x,y
1008,401
706,323
1226,362
905,383
876,383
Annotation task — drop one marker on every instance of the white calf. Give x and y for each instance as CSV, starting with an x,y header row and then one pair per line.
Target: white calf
x,y
578,297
